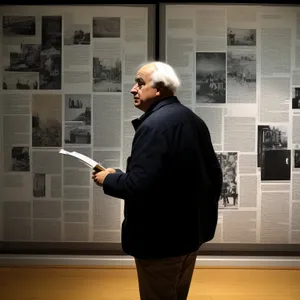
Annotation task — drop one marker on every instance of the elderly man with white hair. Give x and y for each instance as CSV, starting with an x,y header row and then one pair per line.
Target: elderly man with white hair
x,y
171,186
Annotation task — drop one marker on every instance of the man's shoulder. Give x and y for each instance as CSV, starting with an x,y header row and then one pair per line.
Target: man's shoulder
x,y
170,117
170,114
177,114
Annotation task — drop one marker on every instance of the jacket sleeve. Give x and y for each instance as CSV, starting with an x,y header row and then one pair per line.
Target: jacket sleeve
x,y
149,155
212,165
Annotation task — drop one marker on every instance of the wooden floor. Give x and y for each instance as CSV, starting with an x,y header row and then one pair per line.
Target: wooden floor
x,y
121,284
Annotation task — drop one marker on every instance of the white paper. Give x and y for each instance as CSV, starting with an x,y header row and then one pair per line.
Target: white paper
x,y
85,159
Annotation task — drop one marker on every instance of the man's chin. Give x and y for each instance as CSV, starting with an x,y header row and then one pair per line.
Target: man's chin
x,y
138,104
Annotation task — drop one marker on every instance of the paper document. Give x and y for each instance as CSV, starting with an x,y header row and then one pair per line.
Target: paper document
x,y
84,159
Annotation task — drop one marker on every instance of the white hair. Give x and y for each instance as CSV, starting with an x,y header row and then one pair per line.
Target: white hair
x,y
165,74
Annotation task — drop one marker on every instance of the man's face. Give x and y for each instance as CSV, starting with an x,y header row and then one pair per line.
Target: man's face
x,y
143,92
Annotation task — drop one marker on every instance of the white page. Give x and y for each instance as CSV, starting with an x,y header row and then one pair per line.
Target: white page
x,y
85,159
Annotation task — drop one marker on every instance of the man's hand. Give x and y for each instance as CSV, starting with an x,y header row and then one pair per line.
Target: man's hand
x,y
99,177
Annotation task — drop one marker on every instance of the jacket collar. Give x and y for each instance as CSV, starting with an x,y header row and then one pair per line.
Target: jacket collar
x,y
166,101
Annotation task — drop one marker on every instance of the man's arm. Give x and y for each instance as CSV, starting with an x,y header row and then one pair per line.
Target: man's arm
x,y
212,164
149,154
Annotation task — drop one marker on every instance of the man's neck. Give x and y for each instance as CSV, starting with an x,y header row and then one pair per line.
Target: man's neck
x,y
157,100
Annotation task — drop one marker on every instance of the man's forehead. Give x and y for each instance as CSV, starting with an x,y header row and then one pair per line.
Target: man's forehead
x,y
144,71
141,76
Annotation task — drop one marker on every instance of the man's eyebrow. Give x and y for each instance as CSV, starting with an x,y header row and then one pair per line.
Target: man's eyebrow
x,y
139,80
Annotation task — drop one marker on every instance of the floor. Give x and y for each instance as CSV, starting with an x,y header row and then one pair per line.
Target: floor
x,y
121,284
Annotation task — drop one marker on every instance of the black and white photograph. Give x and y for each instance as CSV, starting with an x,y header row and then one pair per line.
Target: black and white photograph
x,y
78,119
20,81
77,133
77,34
273,155
51,32
39,185
296,98
76,105
210,77
241,37
107,75
229,193
297,159
18,26
22,58
46,120
20,159
50,72
106,27
241,76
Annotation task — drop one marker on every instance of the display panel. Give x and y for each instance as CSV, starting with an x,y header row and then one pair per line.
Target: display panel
x,y
66,75
239,66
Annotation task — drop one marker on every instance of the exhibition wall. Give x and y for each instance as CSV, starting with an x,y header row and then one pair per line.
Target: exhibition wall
x,y
66,75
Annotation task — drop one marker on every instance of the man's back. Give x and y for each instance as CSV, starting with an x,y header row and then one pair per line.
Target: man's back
x,y
170,188
165,217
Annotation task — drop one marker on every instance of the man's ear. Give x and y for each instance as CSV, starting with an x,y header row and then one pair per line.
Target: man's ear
x,y
159,87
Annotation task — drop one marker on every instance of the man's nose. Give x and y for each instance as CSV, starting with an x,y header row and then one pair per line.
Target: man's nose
x,y
134,89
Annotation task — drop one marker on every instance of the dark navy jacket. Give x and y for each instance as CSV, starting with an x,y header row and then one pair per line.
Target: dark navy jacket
x,y
171,186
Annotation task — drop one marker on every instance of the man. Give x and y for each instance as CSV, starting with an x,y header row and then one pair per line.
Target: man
x,y
171,187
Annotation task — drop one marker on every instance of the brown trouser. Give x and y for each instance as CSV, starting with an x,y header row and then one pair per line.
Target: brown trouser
x,y
167,278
